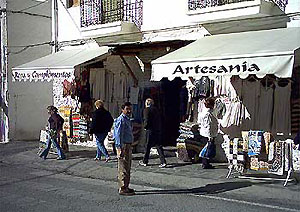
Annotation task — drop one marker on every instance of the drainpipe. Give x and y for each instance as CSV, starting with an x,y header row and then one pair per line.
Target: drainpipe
x,y
3,84
55,26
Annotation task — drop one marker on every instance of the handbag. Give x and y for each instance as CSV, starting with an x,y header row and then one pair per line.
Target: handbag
x,y
203,151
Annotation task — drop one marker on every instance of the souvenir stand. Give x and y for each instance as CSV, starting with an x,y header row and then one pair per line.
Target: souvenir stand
x,y
253,149
258,151
255,79
79,76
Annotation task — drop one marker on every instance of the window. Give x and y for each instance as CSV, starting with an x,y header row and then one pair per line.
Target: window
x,y
112,10
95,12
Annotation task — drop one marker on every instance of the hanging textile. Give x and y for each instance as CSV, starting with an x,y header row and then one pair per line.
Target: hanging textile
x,y
296,159
275,158
282,112
254,142
67,86
134,95
97,83
265,108
251,91
203,87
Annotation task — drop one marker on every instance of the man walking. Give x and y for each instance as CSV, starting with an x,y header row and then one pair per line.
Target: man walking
x,y
153,125
123,140
102,122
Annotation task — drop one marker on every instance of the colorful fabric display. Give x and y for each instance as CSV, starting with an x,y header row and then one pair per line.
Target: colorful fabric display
x,y
254,142
256,164
236,154
296,159
275,158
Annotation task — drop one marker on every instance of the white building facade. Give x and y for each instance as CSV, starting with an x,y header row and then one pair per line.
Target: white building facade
x,y
28,25
88,23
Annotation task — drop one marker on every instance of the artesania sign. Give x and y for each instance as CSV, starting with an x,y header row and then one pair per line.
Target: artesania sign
x,y
281,66
41,75
221,69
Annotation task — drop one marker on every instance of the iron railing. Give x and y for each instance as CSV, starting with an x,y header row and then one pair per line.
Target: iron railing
x,y
200,4
281,3
95,12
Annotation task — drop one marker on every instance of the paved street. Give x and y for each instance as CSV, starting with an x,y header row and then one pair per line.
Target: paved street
x,y
28,183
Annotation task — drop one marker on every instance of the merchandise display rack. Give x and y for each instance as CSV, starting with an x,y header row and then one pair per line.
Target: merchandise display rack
x,y
240,162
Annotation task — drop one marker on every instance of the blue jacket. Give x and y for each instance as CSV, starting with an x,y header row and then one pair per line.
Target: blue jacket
x,y
123,131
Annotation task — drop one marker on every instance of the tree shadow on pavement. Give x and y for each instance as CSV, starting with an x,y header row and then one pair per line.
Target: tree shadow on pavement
x,y
207,189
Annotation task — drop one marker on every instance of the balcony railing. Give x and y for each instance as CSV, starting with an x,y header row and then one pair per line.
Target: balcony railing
x,y
200,4
95,12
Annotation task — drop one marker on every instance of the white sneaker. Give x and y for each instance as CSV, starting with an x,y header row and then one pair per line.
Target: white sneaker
x,y
163,165
141,163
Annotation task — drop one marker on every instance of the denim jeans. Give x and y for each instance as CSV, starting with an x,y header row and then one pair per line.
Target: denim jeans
x,y
100,145
46,151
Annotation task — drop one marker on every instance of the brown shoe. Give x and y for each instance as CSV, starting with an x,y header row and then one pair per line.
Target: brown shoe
x,y
126,191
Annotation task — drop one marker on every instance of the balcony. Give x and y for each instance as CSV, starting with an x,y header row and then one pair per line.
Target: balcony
x,y
227,16
200,4
100,18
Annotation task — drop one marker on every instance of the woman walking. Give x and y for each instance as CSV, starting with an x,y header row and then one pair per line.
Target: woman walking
x,y
102,122
55,126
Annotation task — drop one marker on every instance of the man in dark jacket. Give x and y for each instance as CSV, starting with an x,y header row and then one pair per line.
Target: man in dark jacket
x,y
55,126
102,122
153,126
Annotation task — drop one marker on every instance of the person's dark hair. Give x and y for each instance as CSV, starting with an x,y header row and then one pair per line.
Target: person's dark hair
x,y
128,104
209,103
52,108
49,107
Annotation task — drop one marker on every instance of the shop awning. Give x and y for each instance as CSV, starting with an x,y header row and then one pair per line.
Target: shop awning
x,y
58,65
258,52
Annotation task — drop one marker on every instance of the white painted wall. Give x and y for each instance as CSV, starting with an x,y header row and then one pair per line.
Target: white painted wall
x,y
292,7
160,14
27,100
159,17
68,22
166,15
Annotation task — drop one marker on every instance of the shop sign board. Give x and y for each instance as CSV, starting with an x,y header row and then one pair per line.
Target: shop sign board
x,y
42,74
280,66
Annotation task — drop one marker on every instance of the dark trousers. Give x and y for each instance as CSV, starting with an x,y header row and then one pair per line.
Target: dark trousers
x,y
205,162
153,139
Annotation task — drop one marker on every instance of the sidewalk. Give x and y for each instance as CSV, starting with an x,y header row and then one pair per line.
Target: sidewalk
x,y
80,163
